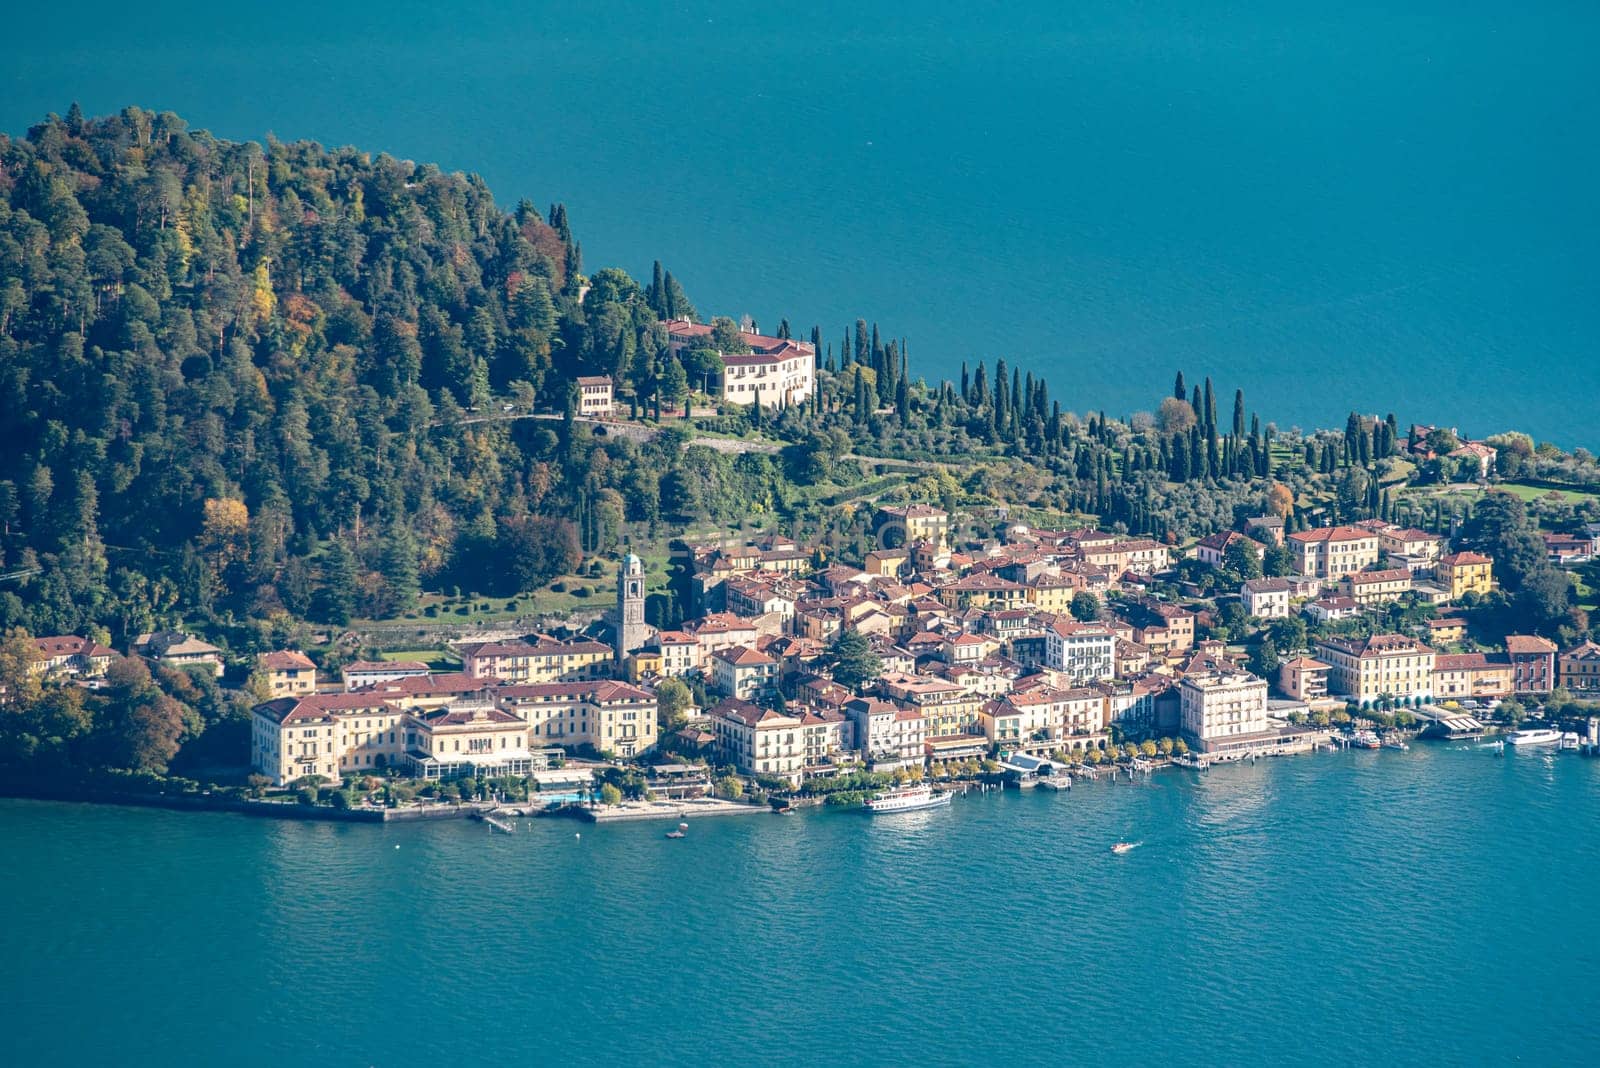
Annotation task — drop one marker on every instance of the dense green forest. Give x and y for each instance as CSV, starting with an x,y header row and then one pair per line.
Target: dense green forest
x,y
245,385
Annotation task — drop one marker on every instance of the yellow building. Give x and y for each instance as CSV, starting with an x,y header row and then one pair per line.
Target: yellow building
x,y
907,524
983,591
1365,670
1484,675
1463,573
610,716
331,735
477,739
643,664
520,663
288,673
1052,594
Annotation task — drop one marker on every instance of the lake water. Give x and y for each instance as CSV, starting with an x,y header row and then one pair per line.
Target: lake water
x,y
1435,906
1336,206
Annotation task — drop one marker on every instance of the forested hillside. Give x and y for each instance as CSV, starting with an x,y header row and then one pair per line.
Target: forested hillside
x,y
234,379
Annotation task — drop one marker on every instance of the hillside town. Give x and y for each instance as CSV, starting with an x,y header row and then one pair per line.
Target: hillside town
x,y
933,655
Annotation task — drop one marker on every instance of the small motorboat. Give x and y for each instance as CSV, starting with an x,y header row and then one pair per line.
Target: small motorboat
x,y
1125,847
681,832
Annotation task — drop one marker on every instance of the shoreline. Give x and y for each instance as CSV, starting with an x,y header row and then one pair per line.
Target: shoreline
x,y
625,812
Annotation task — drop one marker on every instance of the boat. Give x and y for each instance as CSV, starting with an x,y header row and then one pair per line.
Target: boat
x,y
907,799
1056,782
1125,847
681,832
1569,740
1394,741
1533,736
1364,740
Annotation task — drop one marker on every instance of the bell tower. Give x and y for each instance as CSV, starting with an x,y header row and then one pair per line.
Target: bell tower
x,y
632,631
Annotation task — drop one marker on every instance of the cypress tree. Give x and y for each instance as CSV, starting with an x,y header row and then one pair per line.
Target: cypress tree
x,y
1179,390
1238,413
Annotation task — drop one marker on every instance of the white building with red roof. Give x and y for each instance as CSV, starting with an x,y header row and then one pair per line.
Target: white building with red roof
x,y
776,373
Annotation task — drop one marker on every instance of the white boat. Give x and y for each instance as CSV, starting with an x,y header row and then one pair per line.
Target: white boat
x,y
1536,736
907,799
1569,740
1365,740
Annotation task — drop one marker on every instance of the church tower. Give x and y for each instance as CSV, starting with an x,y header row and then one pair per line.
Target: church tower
x,y
632,631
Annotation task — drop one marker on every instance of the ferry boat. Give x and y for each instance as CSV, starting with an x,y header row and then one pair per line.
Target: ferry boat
x,y
1535,736
907,799
1364,740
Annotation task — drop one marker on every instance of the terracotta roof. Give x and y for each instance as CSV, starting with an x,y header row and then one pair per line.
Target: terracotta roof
x,y
285,660
742,656
1327,534
1528,644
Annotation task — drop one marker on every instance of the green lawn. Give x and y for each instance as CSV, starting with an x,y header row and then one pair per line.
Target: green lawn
x,y
437,659
1520,490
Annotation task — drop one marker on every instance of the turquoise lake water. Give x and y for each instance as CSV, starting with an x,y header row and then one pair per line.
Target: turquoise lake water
x,y
1435,906
1335,206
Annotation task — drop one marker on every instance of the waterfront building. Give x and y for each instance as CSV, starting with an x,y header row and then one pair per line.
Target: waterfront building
x,y
607,715
1222,707
331,735
948,708
1533,663
1486,676
1464,573
474,739
1331,552
758,741
70,655
1066,718
359,674
288,673
1383,666
1266,598
1580,669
